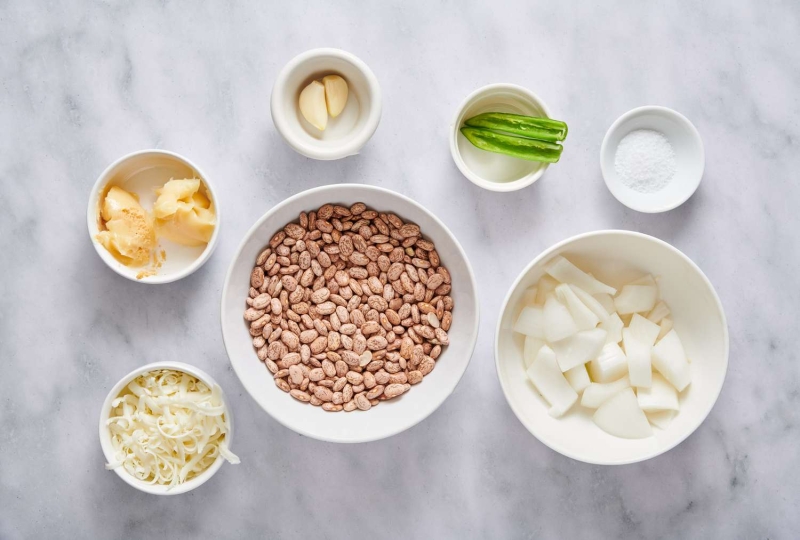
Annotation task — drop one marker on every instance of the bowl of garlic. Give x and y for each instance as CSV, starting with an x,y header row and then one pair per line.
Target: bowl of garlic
x,y
612,347
326,104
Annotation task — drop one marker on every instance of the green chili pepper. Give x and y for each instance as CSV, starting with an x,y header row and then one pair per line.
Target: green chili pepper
x,y
543,129
518,147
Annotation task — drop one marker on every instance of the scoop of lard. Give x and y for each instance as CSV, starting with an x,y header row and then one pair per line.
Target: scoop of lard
x,y
184,213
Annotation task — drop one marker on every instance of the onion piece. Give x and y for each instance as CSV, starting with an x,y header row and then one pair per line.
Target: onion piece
x,y
558,323
546,376
636,299
666,326
621,416
531,349
613,327
646,279
578,378
638,339
591,302
545,286
609,365
661,419
584,318
661,396
658,313
566,272
529,296
530,322
598,393
579,348
669,358
607,301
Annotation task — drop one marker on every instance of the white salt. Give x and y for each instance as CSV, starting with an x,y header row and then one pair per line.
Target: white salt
x,y
645,161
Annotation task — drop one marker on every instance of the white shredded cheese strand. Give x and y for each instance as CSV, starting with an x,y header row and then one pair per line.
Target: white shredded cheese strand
x,y
167,427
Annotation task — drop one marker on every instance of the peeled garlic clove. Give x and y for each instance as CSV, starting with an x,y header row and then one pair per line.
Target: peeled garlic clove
x,y
312,105
335,94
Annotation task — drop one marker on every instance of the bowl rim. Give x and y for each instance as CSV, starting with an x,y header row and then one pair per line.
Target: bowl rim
x,y
333,188
694,135
105,437
549,251
501,187
116,266
351,145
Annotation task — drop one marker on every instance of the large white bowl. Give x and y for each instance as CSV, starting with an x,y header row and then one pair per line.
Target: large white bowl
x,y
617,257
105,433
391,417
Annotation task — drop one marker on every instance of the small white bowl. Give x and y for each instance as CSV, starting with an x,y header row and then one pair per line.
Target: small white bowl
x,y
346,134
489,170
393,416
618,257
105,434
142,173
689,158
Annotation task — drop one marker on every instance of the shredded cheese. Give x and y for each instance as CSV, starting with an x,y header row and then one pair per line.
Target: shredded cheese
x,y
167,427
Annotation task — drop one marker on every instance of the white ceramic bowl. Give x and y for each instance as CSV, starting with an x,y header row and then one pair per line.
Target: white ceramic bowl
x,y
142,173
346,134
392,416
618,257
105,434
489,170
689,158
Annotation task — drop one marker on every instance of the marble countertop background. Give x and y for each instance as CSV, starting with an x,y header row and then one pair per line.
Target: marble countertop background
x,y
82,83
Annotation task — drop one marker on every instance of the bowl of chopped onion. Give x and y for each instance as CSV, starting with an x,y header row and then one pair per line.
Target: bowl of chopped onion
x,y
612,347
165,428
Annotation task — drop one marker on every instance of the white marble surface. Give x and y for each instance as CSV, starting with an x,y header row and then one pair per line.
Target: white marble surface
x,y
82,83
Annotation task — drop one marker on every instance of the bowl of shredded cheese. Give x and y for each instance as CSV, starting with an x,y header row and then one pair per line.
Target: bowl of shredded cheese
x,y
165,428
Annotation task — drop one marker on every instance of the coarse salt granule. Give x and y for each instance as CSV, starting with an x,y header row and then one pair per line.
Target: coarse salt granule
x,y
645,161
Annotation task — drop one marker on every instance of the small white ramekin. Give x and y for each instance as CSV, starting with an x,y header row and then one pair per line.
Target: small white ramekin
x,y
105,434
346,134
489,170
689,157
130,172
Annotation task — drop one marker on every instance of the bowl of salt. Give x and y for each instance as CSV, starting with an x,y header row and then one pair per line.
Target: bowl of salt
x,y
652,159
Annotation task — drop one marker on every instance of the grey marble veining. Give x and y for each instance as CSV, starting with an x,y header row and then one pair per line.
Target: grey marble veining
x,y
82,83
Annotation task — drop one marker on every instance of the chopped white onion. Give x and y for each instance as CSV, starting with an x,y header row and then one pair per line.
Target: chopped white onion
x,y
566,272
529,296
545,287
584,318
598,393
530,322
621,416
636,299
579,348
661,396
661,419
666,326
591,302
658,313
670,360
613,327
638,339
607,301
578,378
546,376
609,365
531,349
558,323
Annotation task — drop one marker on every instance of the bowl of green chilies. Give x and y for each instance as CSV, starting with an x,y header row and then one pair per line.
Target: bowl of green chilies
x,y
503,138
